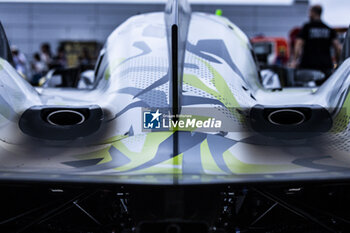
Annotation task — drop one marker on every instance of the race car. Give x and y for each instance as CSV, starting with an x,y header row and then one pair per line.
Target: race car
x,y
177,100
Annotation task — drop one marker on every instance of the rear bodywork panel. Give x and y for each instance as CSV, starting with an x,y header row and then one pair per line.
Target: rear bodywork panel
x,y
218,74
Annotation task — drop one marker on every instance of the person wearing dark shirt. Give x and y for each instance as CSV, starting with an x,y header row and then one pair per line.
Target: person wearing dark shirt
x,y
314,43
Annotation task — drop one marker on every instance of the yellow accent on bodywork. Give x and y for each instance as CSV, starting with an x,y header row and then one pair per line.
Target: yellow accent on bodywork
x,y
41,81
222,92
194,81
1,64
116,63
226,96
107,73
100,154
147,153
208,161
342,120
113,65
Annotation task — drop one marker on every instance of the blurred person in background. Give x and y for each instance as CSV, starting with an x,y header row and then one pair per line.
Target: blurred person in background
x,y
20,61
60,60
46,55
282,58
85,60
38,68
313,45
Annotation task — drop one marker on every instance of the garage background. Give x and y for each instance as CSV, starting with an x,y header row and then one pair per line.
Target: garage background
x,y
28,25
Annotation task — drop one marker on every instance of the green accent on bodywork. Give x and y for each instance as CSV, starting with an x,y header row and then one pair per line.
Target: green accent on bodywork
x,y
113,65
222,92
100,154
177,160
208,161
107,158
194,81
342,120
226,96
239,167
107,73
147,153
1,64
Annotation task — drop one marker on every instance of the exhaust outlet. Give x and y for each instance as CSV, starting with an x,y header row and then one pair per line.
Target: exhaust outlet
x,y
65,118
290,122
61,122
286,117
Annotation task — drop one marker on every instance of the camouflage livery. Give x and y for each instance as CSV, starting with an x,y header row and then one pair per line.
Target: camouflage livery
x,y
219,73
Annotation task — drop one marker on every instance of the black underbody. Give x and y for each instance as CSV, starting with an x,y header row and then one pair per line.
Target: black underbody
x,y
310,207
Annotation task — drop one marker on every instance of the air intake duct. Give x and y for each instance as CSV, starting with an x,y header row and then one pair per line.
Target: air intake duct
x,y
61,122
291,121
